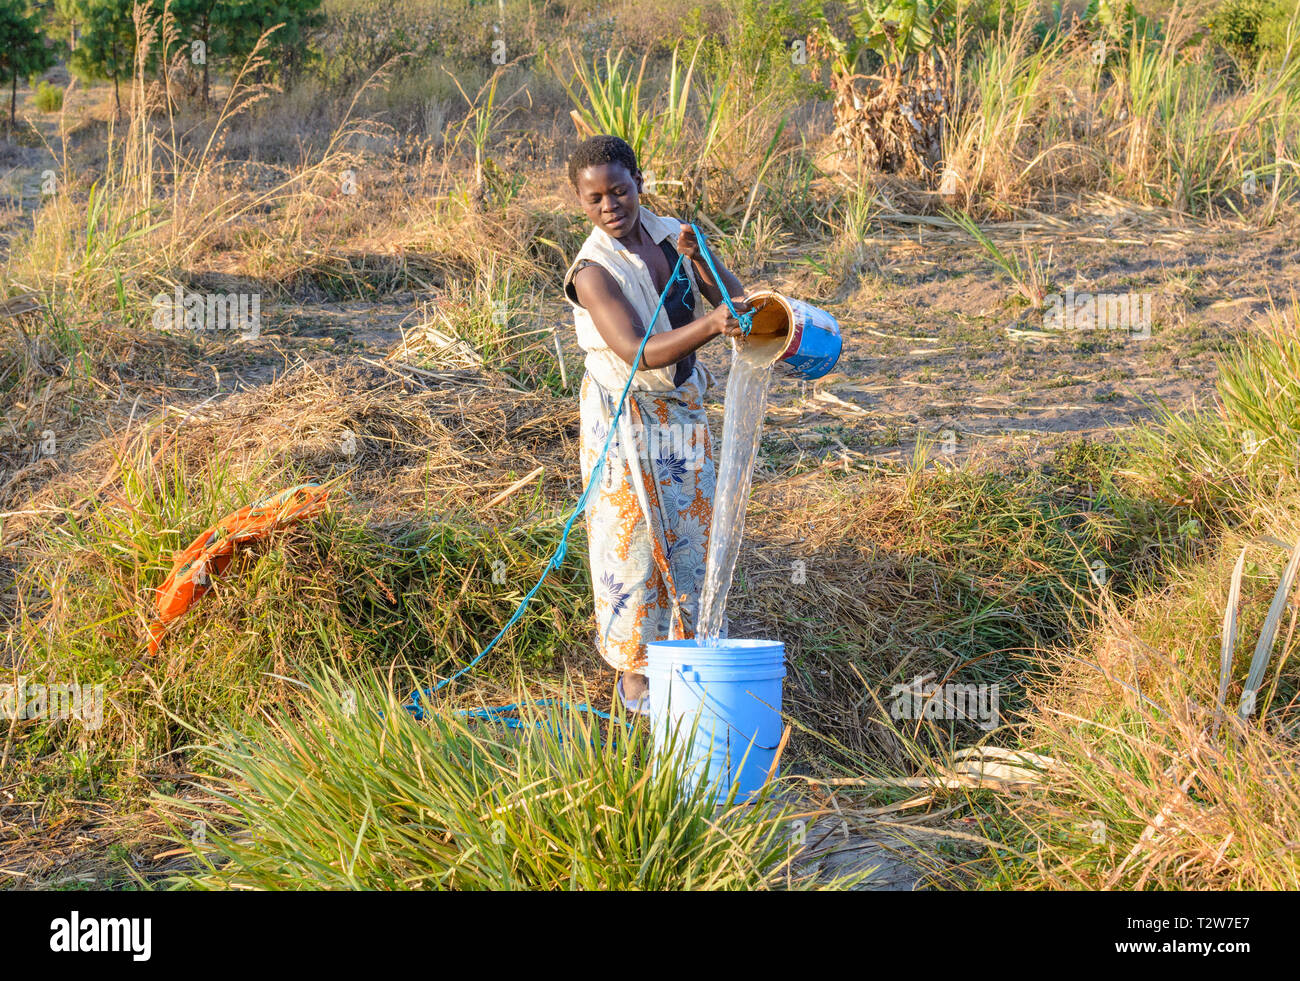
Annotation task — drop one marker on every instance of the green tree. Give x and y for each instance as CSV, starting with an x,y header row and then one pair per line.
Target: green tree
x,y
23,50
892,119
66,19
229,29
106,48
60,20
198,20
896,30
1254,29
241,22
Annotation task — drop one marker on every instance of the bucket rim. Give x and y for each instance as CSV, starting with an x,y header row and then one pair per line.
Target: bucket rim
x,y
731,644
755,661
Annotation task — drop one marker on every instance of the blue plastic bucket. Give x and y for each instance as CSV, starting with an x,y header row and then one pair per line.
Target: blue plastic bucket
x,y
735,692
813,341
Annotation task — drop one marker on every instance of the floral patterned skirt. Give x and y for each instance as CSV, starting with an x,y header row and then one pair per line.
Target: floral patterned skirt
x,y
648,519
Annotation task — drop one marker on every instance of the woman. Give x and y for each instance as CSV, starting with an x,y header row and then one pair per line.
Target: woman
x,y
648,521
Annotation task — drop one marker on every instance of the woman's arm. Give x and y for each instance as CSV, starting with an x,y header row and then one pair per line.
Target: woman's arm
x,y
688,246
621,328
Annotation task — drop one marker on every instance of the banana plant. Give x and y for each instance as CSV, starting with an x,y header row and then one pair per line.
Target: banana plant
x,y
898,29
895,29
1121,21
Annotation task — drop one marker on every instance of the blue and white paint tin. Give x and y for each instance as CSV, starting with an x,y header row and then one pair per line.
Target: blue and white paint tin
x,y
813,342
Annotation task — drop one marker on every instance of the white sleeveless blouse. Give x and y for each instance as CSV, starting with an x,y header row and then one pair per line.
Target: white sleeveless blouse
x,y
633,277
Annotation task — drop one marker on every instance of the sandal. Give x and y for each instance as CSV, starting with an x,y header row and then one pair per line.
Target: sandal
x,y
636,706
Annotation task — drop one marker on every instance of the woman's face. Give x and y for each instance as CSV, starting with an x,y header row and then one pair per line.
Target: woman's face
x,y
611,197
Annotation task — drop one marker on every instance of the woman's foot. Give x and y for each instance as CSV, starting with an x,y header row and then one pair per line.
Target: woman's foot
x,y
635,685
634,692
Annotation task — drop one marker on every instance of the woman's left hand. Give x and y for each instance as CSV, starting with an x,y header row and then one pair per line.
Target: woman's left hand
x,y
687,244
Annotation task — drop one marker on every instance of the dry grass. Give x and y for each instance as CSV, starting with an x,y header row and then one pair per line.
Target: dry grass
x,y
412,438
875,578
1159,785
1151,119
1175,720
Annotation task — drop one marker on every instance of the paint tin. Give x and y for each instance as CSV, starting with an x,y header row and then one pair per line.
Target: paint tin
x,y
813,343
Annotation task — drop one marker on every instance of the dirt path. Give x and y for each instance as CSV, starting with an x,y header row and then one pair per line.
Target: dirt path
x,y
935,345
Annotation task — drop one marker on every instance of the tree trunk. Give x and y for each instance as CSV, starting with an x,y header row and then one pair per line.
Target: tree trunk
x,y
207,56
13,102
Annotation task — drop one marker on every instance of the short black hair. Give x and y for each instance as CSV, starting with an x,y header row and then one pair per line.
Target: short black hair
x,y
597,150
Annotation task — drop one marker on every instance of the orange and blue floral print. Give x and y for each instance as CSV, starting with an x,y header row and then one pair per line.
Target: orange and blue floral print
x,y
638,567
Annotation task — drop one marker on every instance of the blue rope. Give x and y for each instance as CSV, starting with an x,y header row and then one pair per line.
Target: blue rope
x,y
746,319
415,705
500,713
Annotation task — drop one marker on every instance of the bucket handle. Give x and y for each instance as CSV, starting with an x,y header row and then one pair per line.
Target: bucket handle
x,y
705,696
